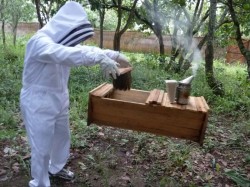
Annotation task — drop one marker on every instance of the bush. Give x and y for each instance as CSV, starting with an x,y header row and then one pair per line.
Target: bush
x,y
147,74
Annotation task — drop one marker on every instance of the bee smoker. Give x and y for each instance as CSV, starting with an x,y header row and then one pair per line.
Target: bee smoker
x,y
183,91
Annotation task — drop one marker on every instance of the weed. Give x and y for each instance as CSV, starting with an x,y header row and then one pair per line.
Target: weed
x,y
148,151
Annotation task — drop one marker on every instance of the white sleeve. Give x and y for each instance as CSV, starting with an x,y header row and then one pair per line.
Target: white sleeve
x,y
46,51
110,53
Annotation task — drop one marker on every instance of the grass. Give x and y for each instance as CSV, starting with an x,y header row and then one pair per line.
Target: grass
x,y
147,75
229,117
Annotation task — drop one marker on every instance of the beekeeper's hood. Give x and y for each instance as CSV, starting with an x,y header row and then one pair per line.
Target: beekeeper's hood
x,y
69,26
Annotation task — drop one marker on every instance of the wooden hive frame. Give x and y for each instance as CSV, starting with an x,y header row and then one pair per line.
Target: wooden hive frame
x,y
148,111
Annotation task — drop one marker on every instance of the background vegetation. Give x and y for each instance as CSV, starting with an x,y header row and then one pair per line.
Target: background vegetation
x,y
114,157
225,153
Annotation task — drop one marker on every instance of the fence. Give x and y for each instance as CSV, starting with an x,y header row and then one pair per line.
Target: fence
x,y
140,42
131,41
234,54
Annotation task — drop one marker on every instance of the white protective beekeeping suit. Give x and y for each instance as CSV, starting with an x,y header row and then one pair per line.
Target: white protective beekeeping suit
x,y
44,98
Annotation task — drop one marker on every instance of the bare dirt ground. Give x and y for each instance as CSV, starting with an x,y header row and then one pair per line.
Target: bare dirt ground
x,y
112,157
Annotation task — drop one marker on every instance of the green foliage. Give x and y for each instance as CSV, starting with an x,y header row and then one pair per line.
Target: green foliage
x,y
238,178
10,84
147,74
236,86
18,10
179,155
169,181
223,33
109,22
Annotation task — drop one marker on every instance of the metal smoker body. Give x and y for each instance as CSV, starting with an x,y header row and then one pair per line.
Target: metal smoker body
x,y
183,91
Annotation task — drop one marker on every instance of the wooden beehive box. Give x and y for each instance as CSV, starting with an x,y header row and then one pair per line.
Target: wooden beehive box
x,y
148,111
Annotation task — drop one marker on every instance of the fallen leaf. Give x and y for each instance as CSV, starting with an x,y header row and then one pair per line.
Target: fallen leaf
x,y
101,134
208,177
27,157
126,178
4,178
2,172
82,166
9,152
15,169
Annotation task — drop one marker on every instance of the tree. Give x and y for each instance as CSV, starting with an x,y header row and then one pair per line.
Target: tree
x,y
156,16
38,12
214,84
181,20
12,11
100,6
190,18
17,10
45,9
120,15
2,9
153,14
245,52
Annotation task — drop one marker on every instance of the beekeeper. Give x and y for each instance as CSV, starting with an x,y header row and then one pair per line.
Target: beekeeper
x,y
44,98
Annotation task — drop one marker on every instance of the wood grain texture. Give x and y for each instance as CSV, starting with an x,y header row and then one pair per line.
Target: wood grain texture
x,y
134,110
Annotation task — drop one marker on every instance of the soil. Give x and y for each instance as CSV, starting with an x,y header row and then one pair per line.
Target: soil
x,y
113,157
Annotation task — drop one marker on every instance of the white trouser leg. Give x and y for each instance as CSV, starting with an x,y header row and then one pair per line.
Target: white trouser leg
x,y
61,142
40,138
39,109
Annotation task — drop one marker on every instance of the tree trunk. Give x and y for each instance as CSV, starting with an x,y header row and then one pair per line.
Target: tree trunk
x,y
161,44
215,85
37,2
244,51
102,16
3,33
175,49
116,42
14,27
3,23
158,33
119,32
14,34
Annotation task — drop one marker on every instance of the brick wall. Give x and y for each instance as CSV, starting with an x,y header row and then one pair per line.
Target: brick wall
x,y
130,41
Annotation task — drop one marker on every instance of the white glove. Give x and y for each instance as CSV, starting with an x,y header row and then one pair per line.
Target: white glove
x,y
109,67
123,61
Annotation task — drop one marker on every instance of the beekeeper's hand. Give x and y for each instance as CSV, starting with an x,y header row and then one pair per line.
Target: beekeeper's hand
x,y
109,67
123,61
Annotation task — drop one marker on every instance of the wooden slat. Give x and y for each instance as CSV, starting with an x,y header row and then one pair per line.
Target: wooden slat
x,y
164,100
125,70
147,114
159,100
92,92
156,95
131,95
200,105
170,105
191,104
182,107
102,91
134,110
99,89
151,96
205,103
142,125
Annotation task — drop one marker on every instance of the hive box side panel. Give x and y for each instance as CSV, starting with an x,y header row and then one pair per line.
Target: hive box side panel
x,y
141,117
137,96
